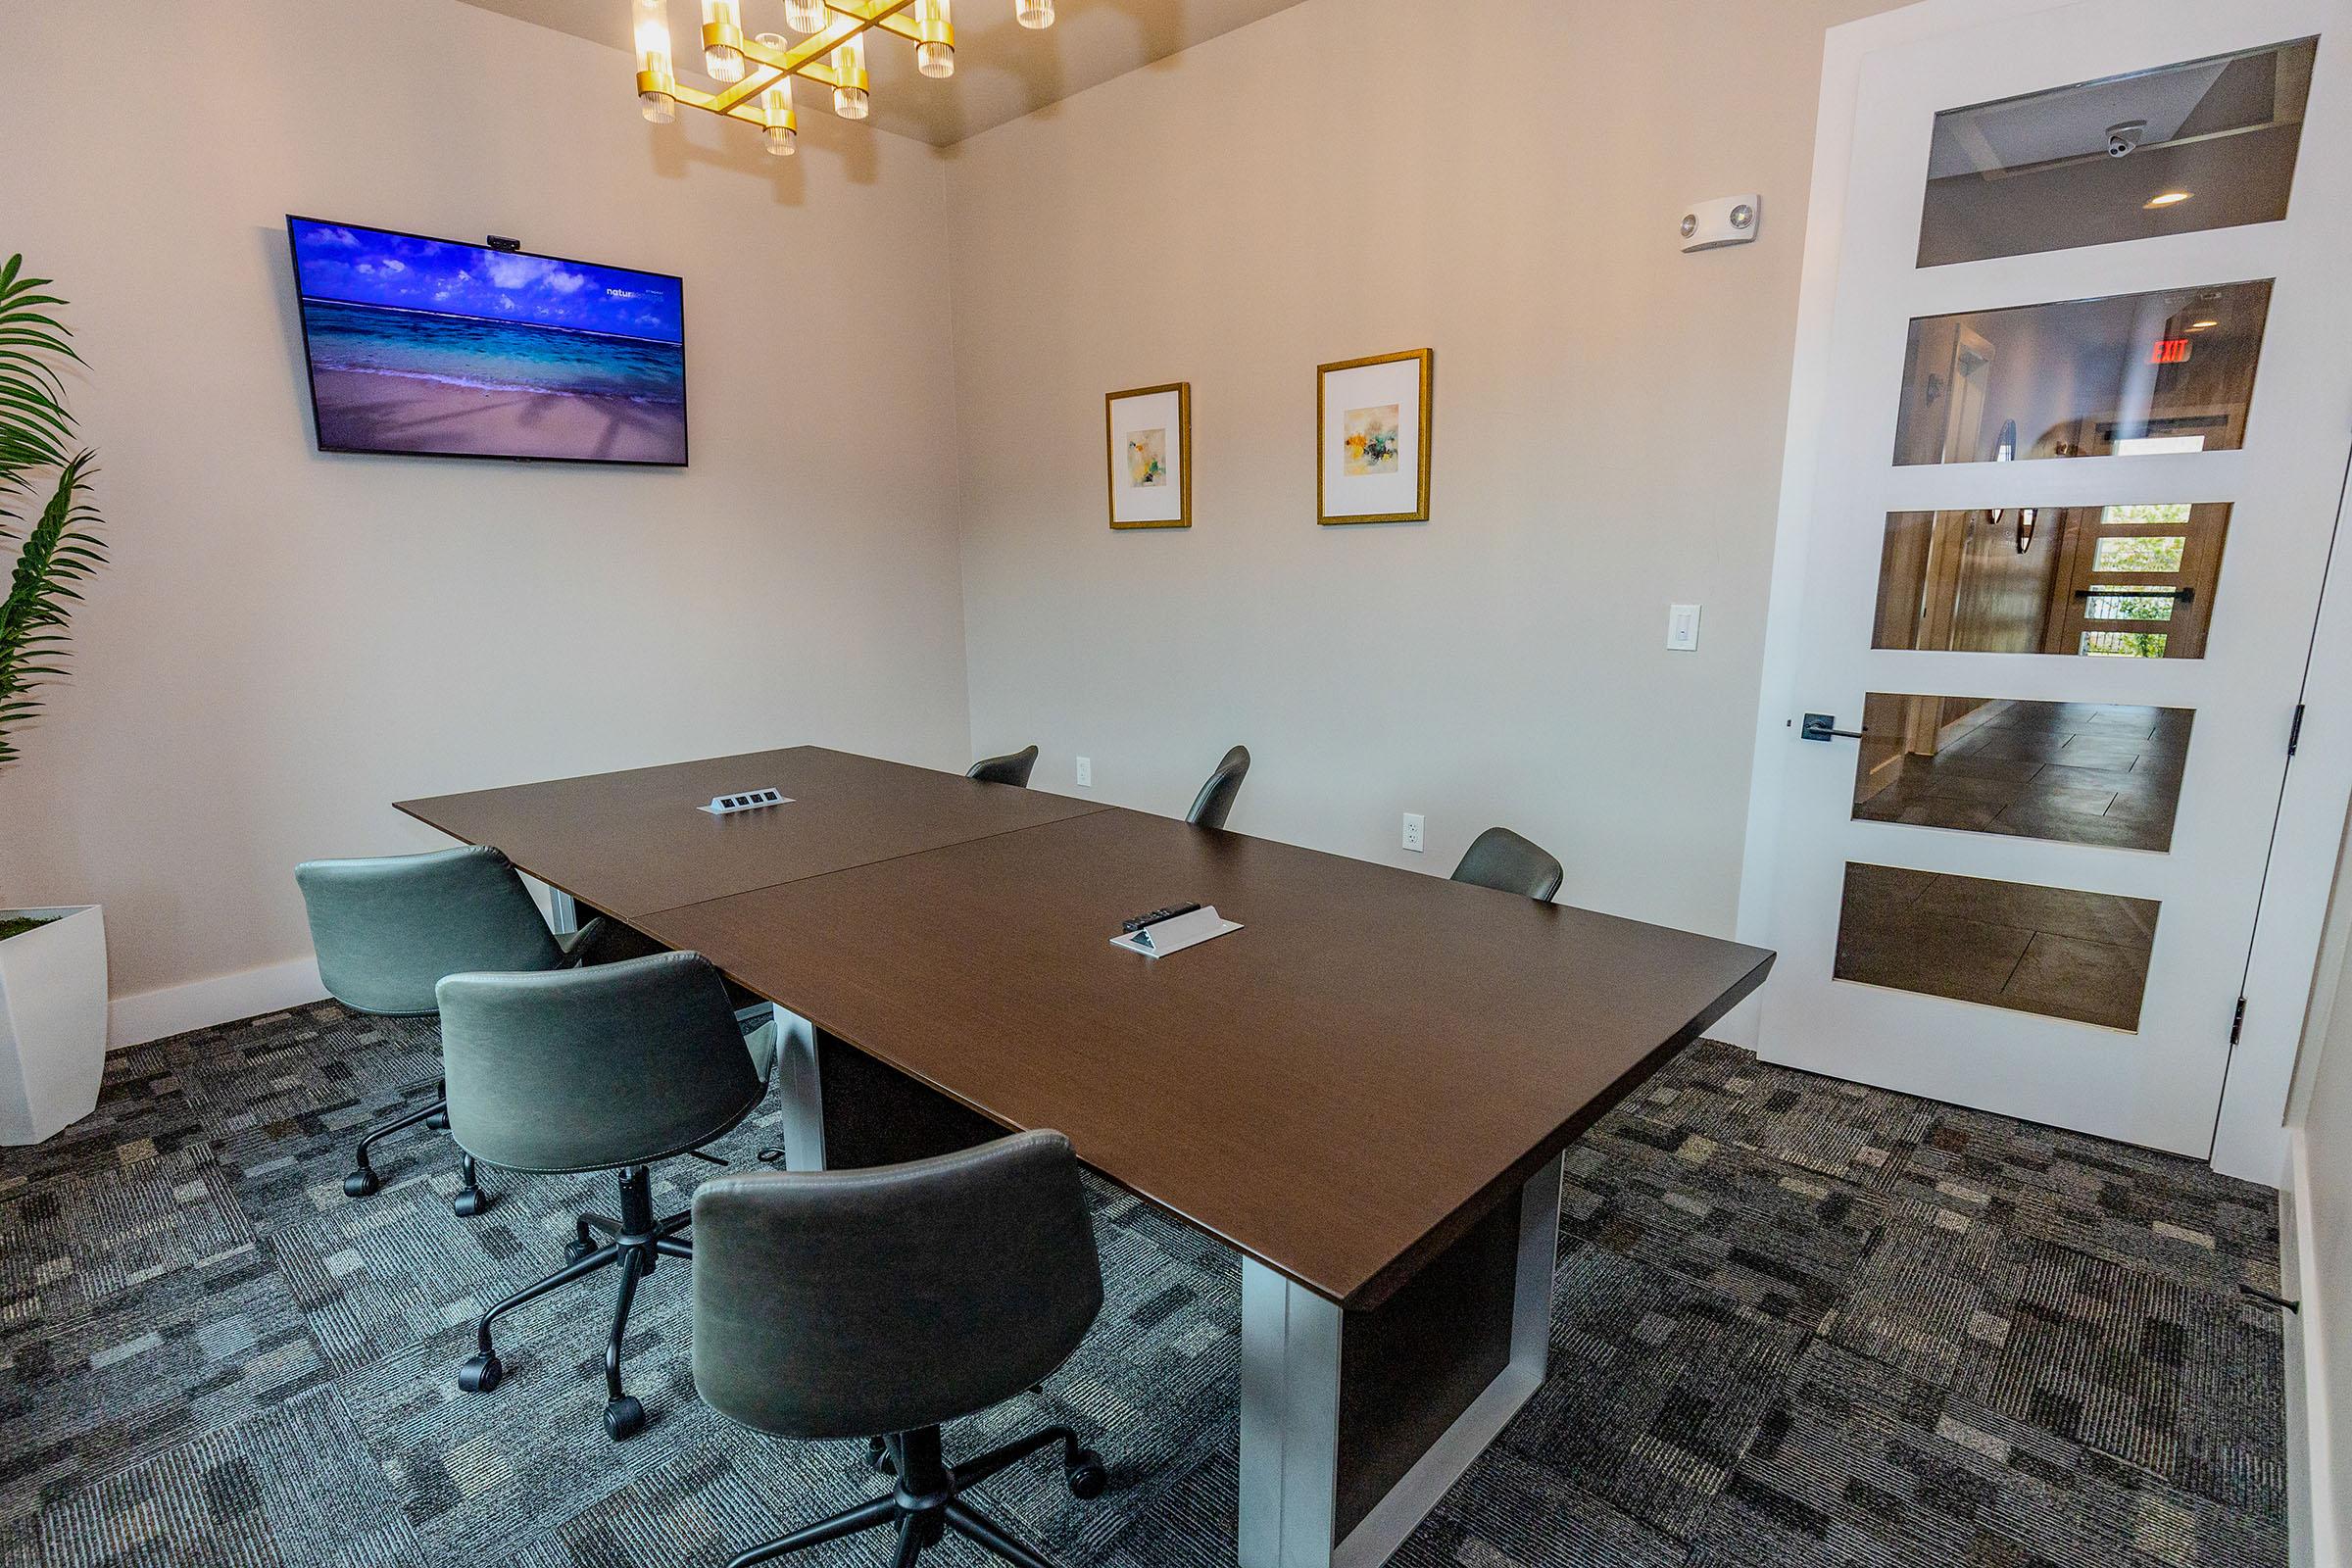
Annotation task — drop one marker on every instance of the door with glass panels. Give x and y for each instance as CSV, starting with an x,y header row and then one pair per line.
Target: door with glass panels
x,y
2090,385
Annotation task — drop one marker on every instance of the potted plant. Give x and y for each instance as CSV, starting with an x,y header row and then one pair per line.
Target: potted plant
x,y
52,959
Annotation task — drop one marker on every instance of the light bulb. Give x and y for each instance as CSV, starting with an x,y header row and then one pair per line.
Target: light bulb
x,y
935,47
782,132
806,15
656,80
720,56
850,99
1032,12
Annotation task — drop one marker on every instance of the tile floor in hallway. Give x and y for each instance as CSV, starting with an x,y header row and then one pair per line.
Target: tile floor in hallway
x,y
2077,772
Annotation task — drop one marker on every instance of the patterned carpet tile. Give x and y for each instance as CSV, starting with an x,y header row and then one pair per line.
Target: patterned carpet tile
x,y
290,1487
1797,1322
201,1349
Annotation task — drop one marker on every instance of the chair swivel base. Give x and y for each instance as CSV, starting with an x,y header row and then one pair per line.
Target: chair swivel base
x,y
363,1180
928,1503
639,1241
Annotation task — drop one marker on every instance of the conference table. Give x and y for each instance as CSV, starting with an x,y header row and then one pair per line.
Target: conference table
x,y
1365,1090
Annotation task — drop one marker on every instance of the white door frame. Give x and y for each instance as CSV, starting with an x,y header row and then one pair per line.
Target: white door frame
x,y
2251,1138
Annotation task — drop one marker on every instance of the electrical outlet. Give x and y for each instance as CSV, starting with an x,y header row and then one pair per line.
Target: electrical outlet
x,y
1085,772
1412,831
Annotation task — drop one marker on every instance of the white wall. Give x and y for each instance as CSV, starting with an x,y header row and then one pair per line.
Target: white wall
x,y
1609,418
286,641
2319,1140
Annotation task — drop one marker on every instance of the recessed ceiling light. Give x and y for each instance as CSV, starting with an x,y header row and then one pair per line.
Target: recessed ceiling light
x,y
2170,198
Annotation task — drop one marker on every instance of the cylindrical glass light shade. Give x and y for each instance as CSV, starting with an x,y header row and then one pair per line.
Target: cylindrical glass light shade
x,y
806,15
654,77
851,98
935,49
1032,12
782,131
720,57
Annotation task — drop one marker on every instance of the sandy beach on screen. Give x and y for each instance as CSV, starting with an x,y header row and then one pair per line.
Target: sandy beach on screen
x,y
407,414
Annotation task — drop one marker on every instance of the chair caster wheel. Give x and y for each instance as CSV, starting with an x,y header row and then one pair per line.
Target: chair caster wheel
x,y
625,1418
1089,1475
438,1121
878,1459
469,1203
578,1252
481,1374
359,1183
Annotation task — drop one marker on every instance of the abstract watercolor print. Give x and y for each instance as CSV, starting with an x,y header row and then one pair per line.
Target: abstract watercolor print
x,y
1372,443
1147,459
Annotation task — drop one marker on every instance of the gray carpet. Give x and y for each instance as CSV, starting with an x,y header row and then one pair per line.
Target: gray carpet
x,y
1798,1323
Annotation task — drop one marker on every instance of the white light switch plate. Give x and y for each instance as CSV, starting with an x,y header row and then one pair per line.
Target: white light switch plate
x,y
1682,628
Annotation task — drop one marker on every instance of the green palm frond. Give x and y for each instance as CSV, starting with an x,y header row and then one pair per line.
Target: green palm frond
x,y
59,551
35,429
60,548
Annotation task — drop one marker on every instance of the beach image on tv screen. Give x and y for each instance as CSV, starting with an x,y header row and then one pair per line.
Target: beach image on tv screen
x,y
425,346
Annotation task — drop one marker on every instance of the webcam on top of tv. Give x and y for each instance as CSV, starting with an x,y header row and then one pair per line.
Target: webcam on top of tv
x,y
500,242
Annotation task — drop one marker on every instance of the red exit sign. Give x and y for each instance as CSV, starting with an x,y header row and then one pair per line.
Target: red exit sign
x,y
2170,351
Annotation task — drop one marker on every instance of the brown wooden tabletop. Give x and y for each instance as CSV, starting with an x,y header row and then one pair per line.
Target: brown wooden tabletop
x,y
1340,1089
632,842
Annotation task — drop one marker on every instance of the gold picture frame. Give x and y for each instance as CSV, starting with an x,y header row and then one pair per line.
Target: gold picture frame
x,y
1120,464
1355,445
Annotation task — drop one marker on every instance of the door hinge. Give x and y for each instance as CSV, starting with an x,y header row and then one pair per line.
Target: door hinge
x,y
2294,732
2238,1021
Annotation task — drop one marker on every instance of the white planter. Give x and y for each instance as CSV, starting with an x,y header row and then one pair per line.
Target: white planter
x,y
52,1022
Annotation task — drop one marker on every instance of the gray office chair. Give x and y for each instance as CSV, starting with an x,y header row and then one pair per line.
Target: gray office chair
x,y
890,1301
388,929
608,1068
1214,804
1011,768
1502,859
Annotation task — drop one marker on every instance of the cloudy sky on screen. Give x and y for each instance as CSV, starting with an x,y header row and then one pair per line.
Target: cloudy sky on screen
x,y
369,266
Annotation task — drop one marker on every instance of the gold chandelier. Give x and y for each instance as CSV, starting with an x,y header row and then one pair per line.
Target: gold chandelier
x,y
754,74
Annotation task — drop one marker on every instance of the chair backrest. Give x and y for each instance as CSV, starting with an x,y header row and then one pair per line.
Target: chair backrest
x,y
1502,859
592,1070
388,929
1215,800
848,1303
1011,768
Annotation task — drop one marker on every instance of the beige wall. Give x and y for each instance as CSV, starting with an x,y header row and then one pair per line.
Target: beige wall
x,y
1610,416
287,641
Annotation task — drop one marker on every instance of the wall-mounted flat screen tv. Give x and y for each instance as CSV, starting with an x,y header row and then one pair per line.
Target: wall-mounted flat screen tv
x,y
430,347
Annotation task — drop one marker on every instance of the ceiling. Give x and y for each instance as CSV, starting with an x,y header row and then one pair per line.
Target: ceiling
x,y
1002,69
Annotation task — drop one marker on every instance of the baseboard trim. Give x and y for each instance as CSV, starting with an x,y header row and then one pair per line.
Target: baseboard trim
x,y
134,1020
2313,1482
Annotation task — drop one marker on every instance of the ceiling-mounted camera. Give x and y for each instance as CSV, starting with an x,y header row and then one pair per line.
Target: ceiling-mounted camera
x,y
2124,138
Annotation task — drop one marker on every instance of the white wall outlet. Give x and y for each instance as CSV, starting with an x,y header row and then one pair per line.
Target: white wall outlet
x,y
1682,628
1412,831
1085,772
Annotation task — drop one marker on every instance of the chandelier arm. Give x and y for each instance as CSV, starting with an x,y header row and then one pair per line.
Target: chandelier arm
x,y
806,59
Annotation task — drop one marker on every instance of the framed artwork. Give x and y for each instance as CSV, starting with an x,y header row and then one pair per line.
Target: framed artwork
x,y
1372,439
1148,444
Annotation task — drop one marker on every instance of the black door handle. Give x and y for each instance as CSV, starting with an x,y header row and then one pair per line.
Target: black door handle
x,y
1824,727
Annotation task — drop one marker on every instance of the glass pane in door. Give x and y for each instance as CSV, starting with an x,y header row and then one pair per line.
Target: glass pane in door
x,y
2132,375
2071,773
2057,952
2136,581
2207,144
